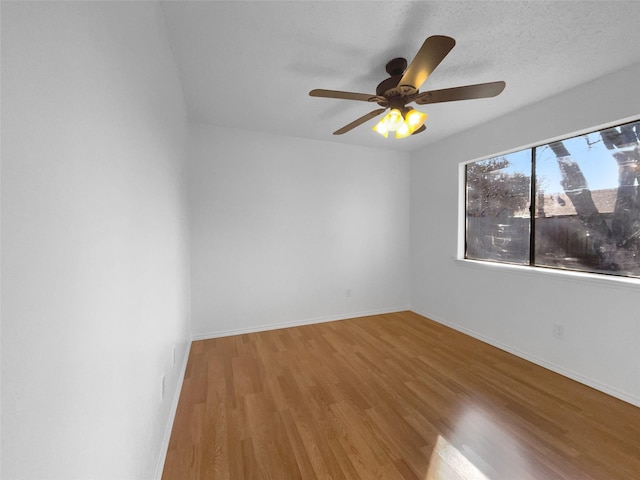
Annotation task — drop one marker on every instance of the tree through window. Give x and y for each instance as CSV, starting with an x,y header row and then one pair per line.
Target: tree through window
x,y
585,202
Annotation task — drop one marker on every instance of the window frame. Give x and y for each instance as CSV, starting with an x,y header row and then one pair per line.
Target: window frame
x,y
531,267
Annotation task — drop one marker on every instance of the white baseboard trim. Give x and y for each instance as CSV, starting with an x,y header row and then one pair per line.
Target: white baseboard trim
x,y
609,390
172,415
296,323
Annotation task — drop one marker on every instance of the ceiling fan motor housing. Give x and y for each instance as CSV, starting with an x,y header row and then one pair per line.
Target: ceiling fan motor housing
x,y
397,97
388,84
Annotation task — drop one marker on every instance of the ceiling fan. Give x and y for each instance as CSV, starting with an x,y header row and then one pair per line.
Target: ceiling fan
x,y
402,88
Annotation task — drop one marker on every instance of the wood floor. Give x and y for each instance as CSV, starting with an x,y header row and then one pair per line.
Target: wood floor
x,y
388,397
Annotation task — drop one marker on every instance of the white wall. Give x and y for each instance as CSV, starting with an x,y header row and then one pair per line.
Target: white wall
x,y
95,277
94,244
282,227
515,308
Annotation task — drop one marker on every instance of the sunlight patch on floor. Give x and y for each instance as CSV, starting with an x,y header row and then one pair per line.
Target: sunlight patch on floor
x,y
447,463
479,447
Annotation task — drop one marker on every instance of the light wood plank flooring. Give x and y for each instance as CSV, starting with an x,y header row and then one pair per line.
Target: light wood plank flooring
x,y
389,397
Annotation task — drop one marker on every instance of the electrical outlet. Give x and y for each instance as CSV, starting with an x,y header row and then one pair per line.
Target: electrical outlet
x,y
162,387
173,356
347,292
558,331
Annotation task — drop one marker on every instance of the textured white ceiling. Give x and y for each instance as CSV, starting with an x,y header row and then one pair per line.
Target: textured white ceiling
x,y
251,64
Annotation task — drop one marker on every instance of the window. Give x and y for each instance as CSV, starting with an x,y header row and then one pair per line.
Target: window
x,y
571,204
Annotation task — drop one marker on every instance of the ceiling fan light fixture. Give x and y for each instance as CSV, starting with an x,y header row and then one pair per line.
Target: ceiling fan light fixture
x,y
415,119
403,131
402,124
393,120
381,128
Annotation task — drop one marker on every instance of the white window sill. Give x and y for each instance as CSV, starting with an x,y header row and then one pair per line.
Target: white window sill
x,y
601,280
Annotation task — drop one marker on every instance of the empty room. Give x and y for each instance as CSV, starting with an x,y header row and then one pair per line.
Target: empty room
x,y
320,240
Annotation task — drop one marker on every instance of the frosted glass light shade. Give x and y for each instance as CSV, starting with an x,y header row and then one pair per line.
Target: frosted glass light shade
x,y
404,126
381,128
403,131
394,120
415,119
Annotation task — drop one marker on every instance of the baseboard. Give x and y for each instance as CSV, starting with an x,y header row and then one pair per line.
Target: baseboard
x,y
172,414
297,323
609,390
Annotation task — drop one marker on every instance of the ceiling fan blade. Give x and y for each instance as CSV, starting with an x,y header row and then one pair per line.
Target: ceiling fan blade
x,y
359,121
468,92
363,97
432,52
